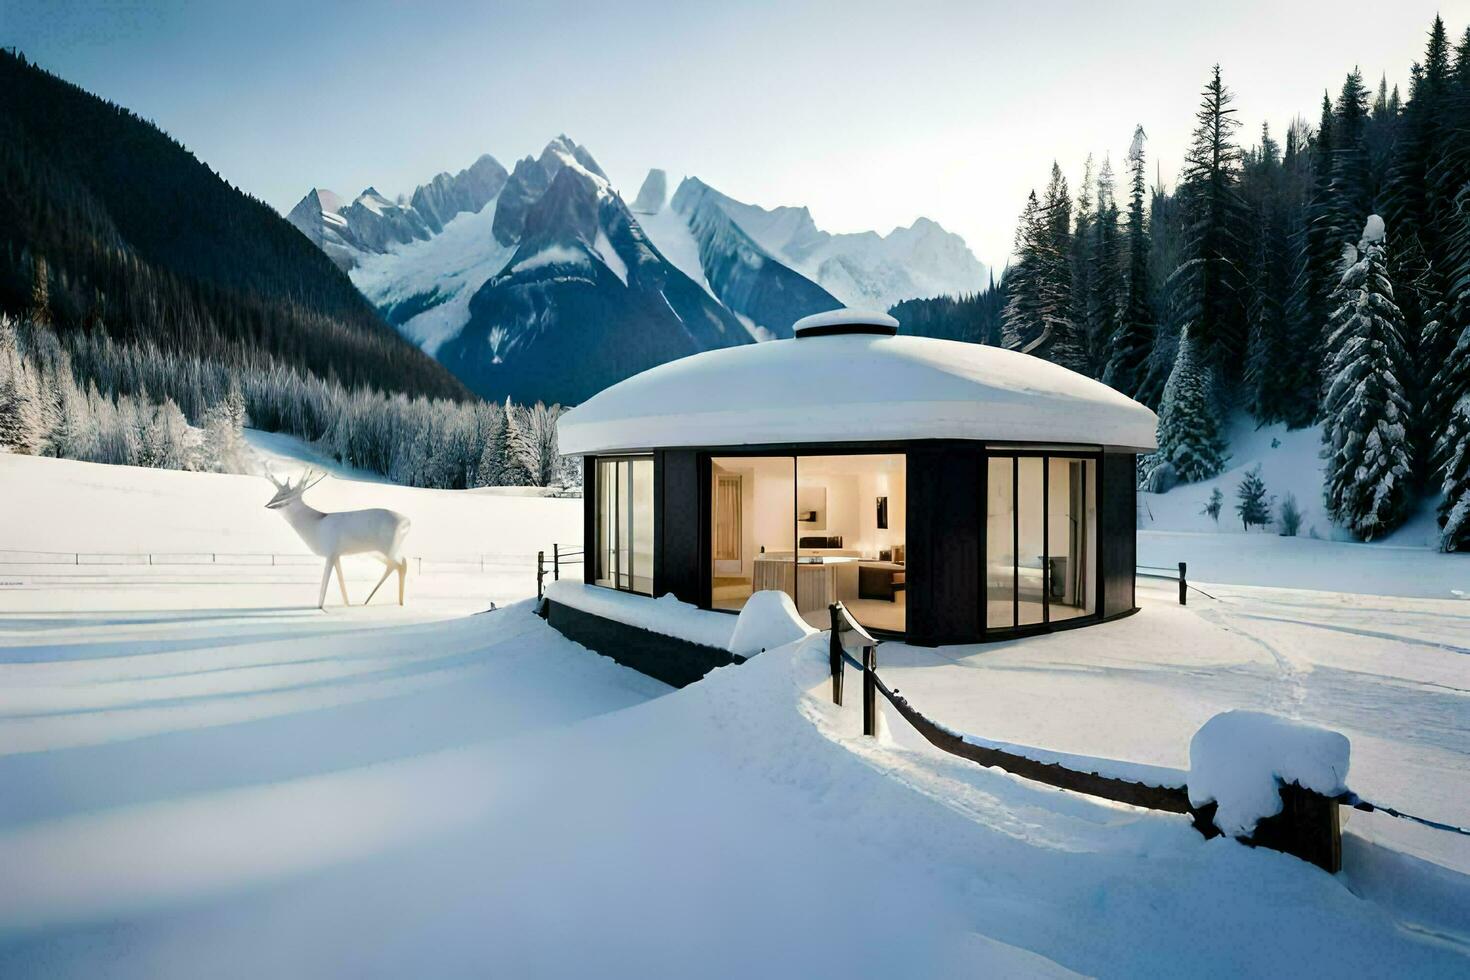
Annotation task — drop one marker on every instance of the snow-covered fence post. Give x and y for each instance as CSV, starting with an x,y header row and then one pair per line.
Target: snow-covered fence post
x,y
870,690
834,652
540,574
1183,586
1271,782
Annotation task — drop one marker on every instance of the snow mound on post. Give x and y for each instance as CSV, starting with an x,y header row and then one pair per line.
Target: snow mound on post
x,y
768,620
1239,759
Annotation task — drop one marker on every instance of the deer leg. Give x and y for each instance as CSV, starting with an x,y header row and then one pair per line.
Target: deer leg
x,y
342,582
387,570
402,574
321,599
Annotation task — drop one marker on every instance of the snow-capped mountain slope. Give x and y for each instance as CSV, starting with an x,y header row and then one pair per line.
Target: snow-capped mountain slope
x,y
584,300
373,224
446,197
424,287
751,282
863,269
542,283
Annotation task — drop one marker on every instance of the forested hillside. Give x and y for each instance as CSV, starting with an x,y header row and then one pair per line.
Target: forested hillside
x,y
107,222
1321,275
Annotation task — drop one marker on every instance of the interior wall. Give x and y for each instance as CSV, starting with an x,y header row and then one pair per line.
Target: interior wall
x,y
766,495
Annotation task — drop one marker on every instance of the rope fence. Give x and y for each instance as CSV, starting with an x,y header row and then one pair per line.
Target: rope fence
x,y
1308,826
482,562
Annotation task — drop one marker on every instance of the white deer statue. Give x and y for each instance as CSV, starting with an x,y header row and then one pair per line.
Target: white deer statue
x,y
353,532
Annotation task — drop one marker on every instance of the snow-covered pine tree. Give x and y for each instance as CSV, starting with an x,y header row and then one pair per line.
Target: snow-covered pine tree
x,y
1189,432
1450,456
1131,344
1454,509
1365,413
1349,189
22,421
1317,273
224,449
1021,325
1082,256
1251,503
1106,275
1289,517
75,433
177,444
533,442
1213,505
1270,355
1062,340
493,462
515,473
1038,317
1211,289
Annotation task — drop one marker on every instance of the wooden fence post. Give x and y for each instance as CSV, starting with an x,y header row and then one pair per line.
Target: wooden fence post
x,y
555,562
1308,827
870,691
540,573
1183,586
834,652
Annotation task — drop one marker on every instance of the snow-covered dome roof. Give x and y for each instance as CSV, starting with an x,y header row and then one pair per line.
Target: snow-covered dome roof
x,y
858,385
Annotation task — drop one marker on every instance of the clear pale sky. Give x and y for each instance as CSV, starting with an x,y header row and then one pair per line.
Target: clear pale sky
x,y
871,114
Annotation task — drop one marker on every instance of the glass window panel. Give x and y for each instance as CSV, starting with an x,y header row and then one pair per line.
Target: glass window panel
x,y
624,533
752,527
1000,541
606,521
1089,564
640,513
1065,539
624,536
1031,547
851,544
1071,537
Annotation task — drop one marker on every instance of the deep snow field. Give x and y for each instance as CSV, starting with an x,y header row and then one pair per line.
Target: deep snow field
x,y
203,775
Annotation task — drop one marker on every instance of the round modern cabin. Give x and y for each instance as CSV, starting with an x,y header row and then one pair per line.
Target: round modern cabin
x,y
945,492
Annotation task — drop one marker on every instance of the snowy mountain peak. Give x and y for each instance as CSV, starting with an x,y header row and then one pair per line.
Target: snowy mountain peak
x,y
653,194
862,269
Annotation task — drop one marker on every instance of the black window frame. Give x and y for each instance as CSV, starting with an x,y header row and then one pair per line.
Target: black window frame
x,y
1090,456
597,516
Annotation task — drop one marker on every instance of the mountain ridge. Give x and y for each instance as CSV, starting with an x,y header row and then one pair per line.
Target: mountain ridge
x,y
91,196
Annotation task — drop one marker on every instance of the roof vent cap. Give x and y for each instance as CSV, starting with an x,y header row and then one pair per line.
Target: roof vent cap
x,y
845,321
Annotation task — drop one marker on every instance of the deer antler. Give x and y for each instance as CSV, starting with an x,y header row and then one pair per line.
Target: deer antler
x,y
272,477
310,478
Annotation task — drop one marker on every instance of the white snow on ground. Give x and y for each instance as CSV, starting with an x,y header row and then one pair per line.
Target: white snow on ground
x,y
1392,674
1174,528
65,505
455,263
284,455
665,615
767,620
266,790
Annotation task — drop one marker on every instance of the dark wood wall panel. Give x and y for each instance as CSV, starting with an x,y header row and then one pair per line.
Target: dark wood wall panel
x,y
678,540
944,544
589,519
1119,534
